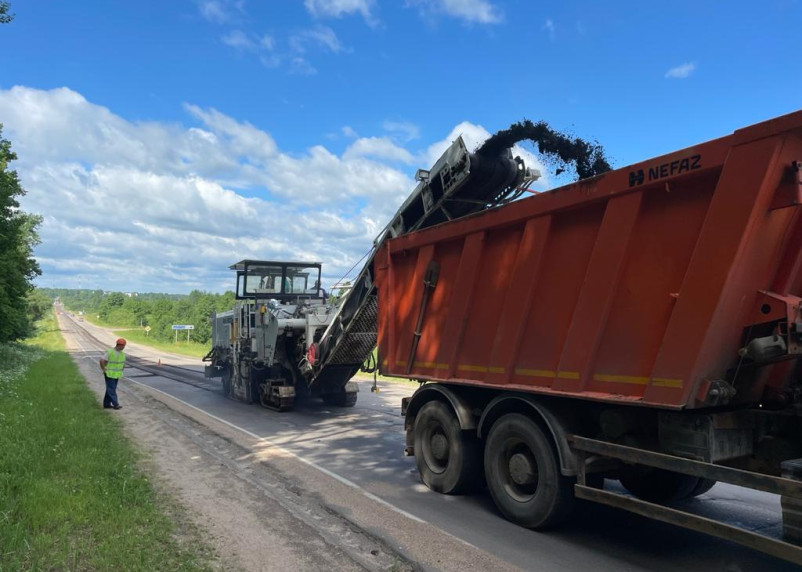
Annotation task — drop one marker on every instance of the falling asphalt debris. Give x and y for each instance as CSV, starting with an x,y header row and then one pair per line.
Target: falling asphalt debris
x,y
587,158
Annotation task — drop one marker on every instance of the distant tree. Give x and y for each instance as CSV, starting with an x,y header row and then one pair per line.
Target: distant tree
x,y
38,304
17,239
159,311
5,17
110,303
138,308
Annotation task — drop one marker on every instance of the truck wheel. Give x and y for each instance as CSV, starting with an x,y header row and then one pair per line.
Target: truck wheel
x,y
660,486
523,474
448,458
701,488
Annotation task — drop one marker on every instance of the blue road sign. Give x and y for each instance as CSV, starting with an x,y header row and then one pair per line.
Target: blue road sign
x,y
180,327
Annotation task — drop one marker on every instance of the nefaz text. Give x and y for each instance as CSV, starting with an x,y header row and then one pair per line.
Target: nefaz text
x,y
664,170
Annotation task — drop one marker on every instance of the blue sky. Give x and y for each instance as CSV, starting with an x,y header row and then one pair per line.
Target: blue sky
x,y
178,137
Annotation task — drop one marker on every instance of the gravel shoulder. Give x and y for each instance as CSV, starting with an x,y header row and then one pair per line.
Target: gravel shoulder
x,y
262,508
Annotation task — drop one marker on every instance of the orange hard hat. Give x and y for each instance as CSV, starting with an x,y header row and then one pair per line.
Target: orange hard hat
x,y
120,341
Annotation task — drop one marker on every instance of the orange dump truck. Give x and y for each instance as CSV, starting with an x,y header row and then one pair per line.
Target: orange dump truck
x,y
643,325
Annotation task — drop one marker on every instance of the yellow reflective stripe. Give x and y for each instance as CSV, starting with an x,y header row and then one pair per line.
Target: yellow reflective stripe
x,y
479,368
568,375
622,379
546,373
638,380
663,382
535,372
431,364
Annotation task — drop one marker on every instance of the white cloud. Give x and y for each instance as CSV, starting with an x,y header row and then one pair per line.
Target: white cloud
x,y
301,66
340,8
180,203
244,139
260,45
380,148
213,11
267,42
403,130
479,11
473,135
239,40
294,56
681,71
220,11
548,26
320,36
348,131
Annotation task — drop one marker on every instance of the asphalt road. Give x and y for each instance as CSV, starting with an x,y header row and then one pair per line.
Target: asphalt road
x,y
364,445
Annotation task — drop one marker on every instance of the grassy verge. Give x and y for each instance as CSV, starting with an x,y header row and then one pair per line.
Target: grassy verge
x,y
140,336
191,349
71,496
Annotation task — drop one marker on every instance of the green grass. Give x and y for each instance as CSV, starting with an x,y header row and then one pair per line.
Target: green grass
x,y
71,494
140,336
48,336
191,349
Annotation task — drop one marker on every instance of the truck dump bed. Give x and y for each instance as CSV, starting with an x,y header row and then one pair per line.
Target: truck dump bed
x,y
637,286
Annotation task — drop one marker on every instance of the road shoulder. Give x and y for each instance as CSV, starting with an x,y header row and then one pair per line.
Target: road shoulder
x,y
265,509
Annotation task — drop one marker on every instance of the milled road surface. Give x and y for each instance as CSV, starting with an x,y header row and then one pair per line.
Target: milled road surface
x,y
326,488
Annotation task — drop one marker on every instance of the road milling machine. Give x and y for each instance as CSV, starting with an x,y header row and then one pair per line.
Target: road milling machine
x,y
285,339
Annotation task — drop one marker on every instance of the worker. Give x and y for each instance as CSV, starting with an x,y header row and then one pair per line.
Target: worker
x,y
112,365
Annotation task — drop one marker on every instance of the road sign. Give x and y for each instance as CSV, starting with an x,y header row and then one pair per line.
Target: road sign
x,y
147,328
177,327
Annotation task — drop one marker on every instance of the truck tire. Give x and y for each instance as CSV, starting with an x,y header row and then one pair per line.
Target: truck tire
x,y
702,487
523,474
660,486
449,459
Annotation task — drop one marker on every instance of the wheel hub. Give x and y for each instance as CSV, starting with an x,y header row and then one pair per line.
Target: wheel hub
x,y
522,469
439,447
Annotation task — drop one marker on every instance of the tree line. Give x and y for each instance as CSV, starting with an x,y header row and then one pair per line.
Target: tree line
x,y
20,304
159,311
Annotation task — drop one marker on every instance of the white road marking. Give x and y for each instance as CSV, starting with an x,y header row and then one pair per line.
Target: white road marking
x,y
323,470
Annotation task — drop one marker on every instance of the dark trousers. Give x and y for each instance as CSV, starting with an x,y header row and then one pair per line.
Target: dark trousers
x,y
110,398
